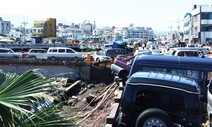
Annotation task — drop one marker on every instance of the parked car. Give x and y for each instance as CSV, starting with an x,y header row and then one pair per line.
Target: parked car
x,y
8,53
113,52
124,61
142,52
152,99
62,53
36,53
100,57
188,52
107,46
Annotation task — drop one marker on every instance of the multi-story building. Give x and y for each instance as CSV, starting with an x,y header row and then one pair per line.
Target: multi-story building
x,y
134,32
70,32
149,33
44,29
5,26
202,23
141,33
87,28
187,28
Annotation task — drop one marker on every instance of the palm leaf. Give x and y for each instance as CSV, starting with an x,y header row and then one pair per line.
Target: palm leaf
x,y
19,94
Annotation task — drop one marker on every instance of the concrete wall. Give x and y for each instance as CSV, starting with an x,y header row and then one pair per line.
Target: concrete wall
x,y
50,70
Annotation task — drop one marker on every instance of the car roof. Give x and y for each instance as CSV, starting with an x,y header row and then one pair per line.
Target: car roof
x,y
115,49
175,61
39,49
6,48
164,80
188,48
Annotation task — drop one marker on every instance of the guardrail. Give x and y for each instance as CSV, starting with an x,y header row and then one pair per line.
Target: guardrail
x,y
92,46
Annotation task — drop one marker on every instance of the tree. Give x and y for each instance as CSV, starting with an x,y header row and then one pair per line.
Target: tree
x,y
19,96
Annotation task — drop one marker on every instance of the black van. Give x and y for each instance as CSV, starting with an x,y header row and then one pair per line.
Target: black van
x,y
113,52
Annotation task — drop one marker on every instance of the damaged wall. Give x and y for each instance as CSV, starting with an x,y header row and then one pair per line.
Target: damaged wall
x,y
82,72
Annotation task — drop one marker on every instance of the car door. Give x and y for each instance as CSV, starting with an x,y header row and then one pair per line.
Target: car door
x,y
70,53
62,53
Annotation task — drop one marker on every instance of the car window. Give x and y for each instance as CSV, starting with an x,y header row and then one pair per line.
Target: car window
x,y
61,50
9,51
163,100
53,50
180,54
154,69
188,73
209,77
69,51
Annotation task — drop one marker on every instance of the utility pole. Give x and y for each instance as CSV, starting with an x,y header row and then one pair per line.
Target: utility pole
x,y
171,33
24,33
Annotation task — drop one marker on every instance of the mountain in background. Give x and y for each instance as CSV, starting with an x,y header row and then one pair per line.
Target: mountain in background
x,y
17,20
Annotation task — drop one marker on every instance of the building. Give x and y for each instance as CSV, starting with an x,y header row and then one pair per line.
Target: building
x,y
139,33
5,26
202,24
187,28
44,29
87,28
69,32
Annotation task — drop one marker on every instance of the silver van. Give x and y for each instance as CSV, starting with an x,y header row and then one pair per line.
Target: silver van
x,y
62,53
8,53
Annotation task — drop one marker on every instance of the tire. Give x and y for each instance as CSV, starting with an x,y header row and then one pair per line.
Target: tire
x,y
53,58
33,57
153,118
76,59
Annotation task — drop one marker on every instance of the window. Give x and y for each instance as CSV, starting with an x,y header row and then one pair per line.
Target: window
x,y
209,75
53,50
162,100
69,51
187,73
155,69
61,50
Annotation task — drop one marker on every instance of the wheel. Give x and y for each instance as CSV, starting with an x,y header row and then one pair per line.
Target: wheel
x,y
53,58
76,59
153,118
33,57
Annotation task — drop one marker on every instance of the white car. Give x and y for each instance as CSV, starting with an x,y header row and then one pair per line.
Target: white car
x,y
36,53
100,57
62,53
8,53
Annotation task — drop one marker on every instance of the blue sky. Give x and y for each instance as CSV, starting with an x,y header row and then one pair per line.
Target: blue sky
x,y
158,14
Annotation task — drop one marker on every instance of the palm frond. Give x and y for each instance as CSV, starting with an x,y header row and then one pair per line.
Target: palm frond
x,y
20,94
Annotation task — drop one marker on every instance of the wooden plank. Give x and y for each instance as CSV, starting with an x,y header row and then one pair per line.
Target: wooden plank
x,y
121,86
111,118
109,125
118,97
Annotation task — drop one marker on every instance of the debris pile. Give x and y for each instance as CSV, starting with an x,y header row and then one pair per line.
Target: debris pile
x,y
87,103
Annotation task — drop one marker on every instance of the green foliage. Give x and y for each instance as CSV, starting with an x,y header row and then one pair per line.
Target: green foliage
x,y
20,94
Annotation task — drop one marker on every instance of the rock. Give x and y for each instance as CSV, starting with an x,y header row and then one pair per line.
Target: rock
x,y
89,99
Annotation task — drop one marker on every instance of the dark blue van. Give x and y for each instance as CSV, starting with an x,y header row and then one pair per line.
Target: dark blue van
x,y
196,68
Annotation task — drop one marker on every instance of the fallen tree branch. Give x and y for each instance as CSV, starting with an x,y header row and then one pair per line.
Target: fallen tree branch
x,y
106,96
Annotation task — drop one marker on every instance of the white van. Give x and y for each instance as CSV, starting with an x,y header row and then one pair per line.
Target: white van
x,y
62,53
